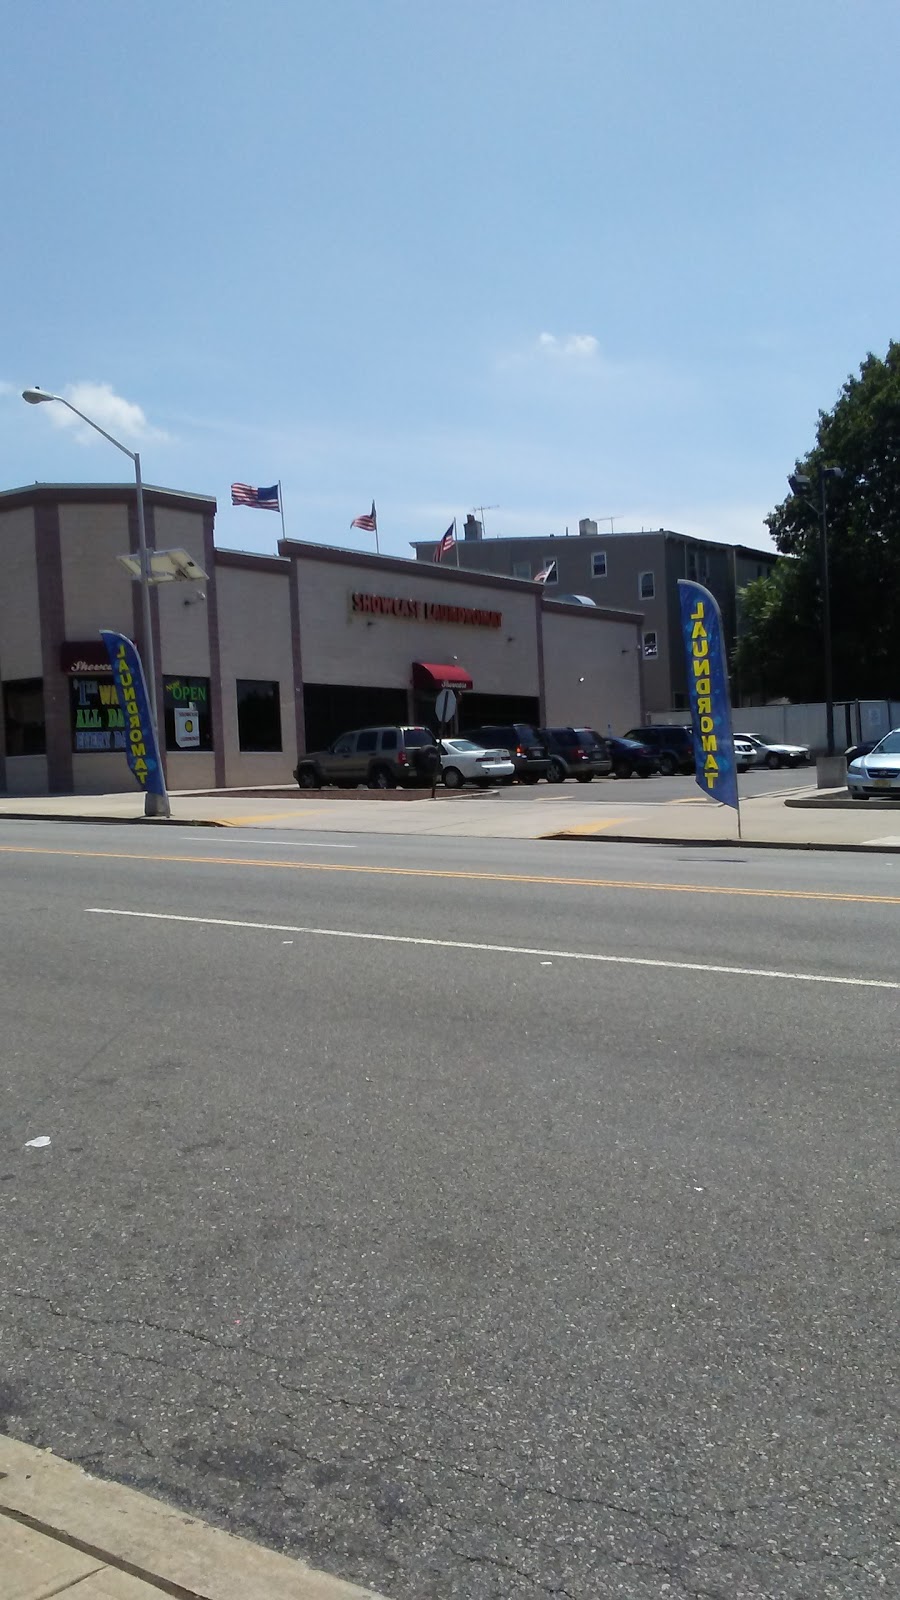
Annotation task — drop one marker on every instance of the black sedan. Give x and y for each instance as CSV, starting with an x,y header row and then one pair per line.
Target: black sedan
x,y
629,756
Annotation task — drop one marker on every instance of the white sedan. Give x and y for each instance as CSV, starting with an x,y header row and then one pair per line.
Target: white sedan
x,y
771,754
465,762
879,771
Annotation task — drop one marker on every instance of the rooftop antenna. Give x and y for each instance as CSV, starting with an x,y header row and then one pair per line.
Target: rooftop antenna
x,y
610,520
482,510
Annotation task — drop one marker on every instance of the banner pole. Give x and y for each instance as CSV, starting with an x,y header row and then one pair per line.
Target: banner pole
x,y
281,509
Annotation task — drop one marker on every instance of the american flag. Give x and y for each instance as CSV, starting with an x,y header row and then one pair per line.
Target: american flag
x,y
243,494
368,521
445,545
546,573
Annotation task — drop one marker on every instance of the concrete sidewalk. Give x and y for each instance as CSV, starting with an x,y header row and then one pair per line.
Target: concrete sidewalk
x,y
62,1531
559,813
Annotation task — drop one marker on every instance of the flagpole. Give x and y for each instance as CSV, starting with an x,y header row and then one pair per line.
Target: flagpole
x,y
375,520
455,542
281,509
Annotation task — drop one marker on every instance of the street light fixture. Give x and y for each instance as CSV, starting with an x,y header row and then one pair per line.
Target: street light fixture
x,y
155,805
800,485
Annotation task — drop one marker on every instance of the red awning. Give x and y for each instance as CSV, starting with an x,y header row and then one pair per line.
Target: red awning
x,y
430,676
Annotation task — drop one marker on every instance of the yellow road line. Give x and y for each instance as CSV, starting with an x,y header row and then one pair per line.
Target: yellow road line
x,y
465,877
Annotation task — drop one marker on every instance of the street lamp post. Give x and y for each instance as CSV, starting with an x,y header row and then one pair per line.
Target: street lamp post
x,y
155,805
800,485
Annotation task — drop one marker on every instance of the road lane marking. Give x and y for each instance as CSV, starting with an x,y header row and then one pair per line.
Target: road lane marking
x,y
495,949
290,844
832,897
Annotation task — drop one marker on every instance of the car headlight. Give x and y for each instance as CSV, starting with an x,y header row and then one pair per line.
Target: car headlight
x,y
856,767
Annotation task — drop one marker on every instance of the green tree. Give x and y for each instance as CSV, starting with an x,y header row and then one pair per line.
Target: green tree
x,y
780,649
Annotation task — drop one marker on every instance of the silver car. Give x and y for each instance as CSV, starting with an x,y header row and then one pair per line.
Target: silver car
x,y
772,754
879,771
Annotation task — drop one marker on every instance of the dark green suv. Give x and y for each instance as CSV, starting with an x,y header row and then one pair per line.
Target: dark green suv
x,y
380,758
673,746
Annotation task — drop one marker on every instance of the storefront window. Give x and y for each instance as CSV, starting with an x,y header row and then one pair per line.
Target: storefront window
x,y
23,717
98,725
187,714
259,714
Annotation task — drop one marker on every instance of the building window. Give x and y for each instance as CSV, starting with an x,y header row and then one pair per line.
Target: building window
x,y
97,722
187,714
553,574
598,564
522,569
679,700
646,586
23,717
650,647
259,714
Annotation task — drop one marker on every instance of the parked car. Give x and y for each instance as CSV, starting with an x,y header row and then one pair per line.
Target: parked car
x,y
744,753
879,771
524,743
463,761
854,751
381,758
674,747
632,755
771,754
575,753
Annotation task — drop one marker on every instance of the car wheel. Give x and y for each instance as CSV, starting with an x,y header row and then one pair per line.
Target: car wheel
x,y
621,770
585,777
644,772
556,772
307,778
667,765
855,795
772,761
453,778
382,778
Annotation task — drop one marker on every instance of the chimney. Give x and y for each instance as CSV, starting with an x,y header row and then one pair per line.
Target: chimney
x,y
586,528
472,528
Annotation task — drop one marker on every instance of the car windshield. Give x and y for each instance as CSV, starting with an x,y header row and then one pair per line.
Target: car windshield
x,y
416,738
889,746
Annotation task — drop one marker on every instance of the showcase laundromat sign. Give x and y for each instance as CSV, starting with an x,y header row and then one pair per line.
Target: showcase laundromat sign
x,y
383,605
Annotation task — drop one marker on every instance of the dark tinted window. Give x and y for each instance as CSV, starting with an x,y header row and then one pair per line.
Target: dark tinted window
x,y
345,745
389,739
259,714
417,738
367,741
564,735
23,714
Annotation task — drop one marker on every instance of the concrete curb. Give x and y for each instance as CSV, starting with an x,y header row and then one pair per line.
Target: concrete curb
x,y
136,1535
118,822
726,844
843,802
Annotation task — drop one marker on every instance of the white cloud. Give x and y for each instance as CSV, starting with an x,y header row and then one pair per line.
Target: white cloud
x,y
580,346
99,401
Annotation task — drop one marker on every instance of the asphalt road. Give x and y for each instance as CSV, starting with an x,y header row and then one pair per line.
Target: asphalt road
x,y
660,790
498,1272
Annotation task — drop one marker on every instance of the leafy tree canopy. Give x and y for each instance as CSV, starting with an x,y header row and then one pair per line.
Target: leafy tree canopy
x,y
780,650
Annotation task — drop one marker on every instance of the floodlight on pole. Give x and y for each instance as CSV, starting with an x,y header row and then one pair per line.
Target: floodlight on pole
x,y
155,805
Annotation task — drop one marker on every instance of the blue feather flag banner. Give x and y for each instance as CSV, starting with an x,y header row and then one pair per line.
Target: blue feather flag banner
x,y
708,695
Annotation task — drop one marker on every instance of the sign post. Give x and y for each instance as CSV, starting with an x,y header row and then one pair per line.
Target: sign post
x,y
445,710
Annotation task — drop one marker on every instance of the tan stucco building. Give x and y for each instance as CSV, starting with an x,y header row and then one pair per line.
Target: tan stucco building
x,y
284,653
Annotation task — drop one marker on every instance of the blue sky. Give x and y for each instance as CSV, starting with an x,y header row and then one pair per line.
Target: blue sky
x,y
572,257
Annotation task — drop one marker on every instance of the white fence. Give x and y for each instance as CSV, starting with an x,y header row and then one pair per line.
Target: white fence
x,y
805,724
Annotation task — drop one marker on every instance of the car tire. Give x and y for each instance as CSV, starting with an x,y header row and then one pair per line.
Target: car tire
x,y
621,769
453,778
585,777
307,778
381,778
531,777
556,772
773,761
855,795
668,766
